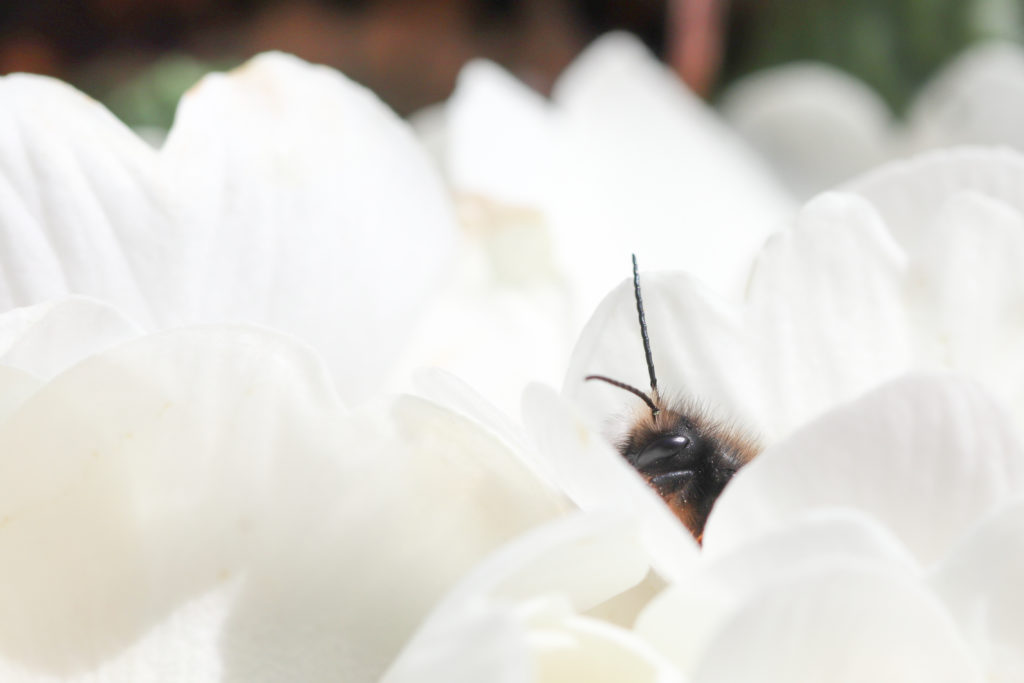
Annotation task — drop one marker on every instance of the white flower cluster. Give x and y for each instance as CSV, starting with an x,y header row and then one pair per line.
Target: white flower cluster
x,y
204,478
818,126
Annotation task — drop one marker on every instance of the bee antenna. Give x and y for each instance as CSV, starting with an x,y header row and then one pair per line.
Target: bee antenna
x,y
631,389
643,331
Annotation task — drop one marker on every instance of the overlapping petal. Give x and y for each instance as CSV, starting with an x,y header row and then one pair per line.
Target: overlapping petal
x,y
595,477
272,202
624,158
216,466
979,582
927,457
840,624
818,126
855,293
519,612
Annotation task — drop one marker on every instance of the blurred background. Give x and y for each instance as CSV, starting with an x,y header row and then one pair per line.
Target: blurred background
x,y
138,56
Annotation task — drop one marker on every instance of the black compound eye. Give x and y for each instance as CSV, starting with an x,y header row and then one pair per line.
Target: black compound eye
x,y
662,449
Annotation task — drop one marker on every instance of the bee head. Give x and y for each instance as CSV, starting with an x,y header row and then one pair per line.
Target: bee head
x,y
686,457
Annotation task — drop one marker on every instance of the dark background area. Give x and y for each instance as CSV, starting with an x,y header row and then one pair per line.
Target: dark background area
x,y
410,51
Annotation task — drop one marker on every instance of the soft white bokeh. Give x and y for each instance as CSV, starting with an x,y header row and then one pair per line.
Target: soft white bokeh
x,y
818,126
622,158
555,193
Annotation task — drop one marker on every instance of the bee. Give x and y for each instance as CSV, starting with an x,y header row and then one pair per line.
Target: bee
x,y
684,455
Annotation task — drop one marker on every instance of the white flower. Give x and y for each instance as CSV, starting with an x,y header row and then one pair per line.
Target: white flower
x,y
197,504
284,196
913,267
622,158
819,126
883,541
878,535
552,194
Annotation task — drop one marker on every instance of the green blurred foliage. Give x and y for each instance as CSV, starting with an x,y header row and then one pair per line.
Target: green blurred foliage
x,y
893,45
149,100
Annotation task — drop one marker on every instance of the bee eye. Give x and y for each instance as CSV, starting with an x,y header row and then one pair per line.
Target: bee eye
x,y
661,449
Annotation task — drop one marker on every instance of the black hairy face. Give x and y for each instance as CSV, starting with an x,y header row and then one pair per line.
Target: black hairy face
x,y
687,459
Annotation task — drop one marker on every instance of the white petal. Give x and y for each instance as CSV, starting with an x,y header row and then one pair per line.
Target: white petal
x,y
825,309
926,456
967,292
583,649
837,533
839,625
645,166
682,620
539,642
141,477
980,584
519,603
312,209
910,194
497,337
977,99
500,143
15,388
77,197
47,338
486,645
449,391
816,124
432,130
150,473
595,477
356,565
699,346
185,646
280,187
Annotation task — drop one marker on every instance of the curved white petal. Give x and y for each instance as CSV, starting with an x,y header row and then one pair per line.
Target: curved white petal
x,y
840,534
911,268
816,125
644,166
78,191
500,145
516,612
449,391
909,194
184,646
497,337
580,648
683,619
977,99
16,386
313,210
825,310
158,470
699,345
136,478
595,477
429,495
278,199
47,338
926,456
841,625
966,292
980,584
